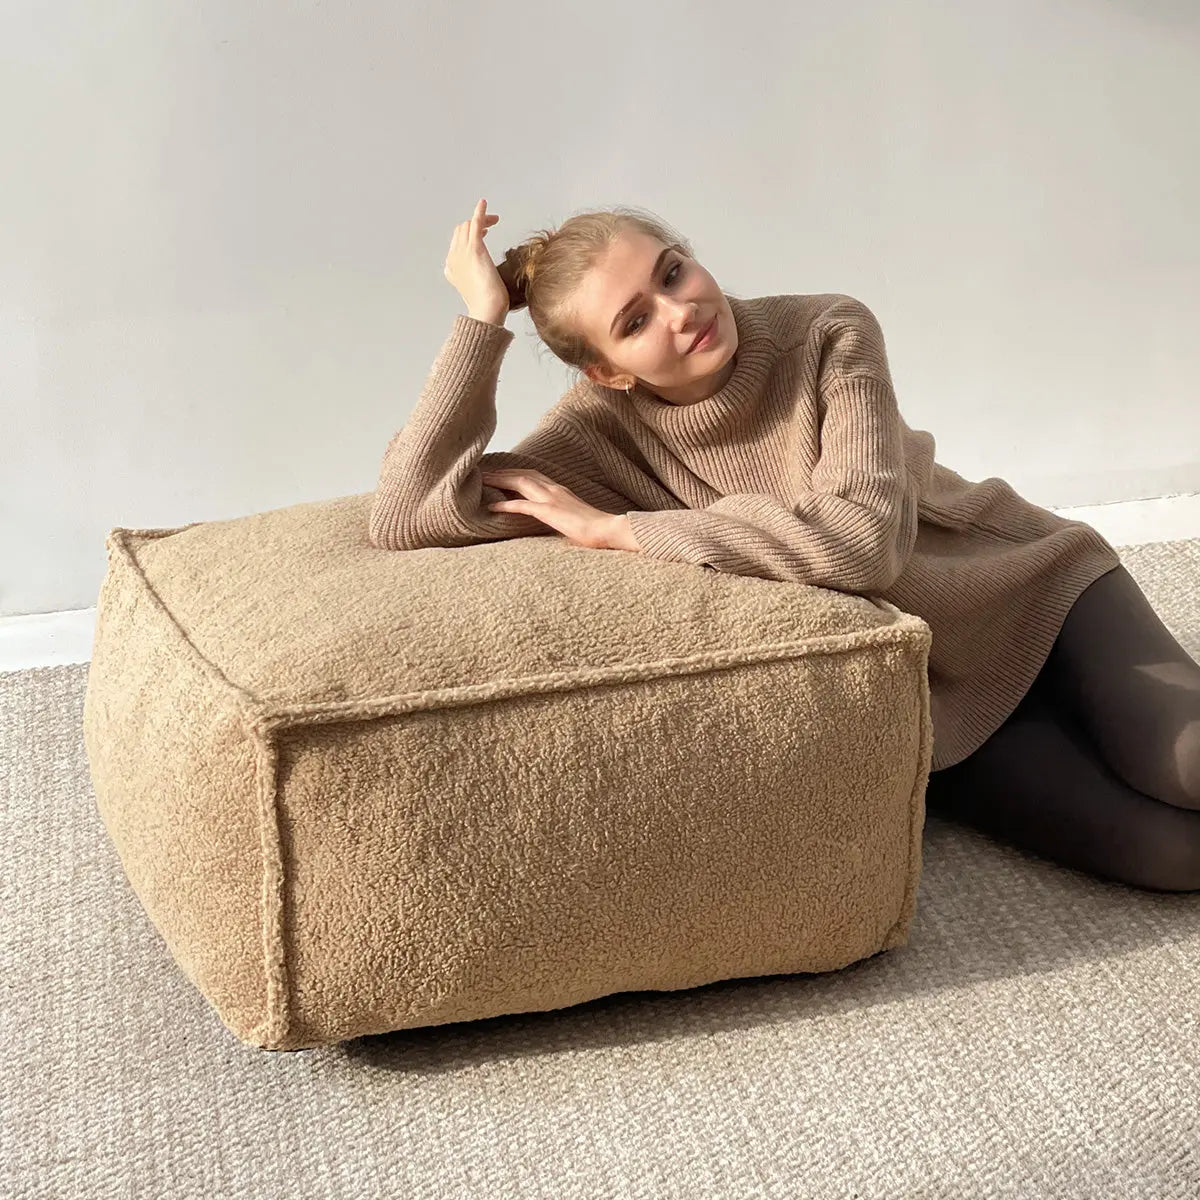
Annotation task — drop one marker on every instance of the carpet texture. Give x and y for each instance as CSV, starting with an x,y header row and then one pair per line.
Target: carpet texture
x,y
1038,1036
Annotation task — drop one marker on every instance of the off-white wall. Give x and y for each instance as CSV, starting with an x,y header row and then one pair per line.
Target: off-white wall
x,y
223,227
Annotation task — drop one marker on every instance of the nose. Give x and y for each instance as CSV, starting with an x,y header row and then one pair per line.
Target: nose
x,y
689,314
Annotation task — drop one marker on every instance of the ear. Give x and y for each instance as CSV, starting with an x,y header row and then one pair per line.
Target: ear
x,y
596,375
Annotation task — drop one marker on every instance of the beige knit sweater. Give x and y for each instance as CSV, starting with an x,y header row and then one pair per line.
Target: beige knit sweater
x,y
800,469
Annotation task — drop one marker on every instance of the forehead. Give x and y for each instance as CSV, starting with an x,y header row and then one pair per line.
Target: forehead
x,y
621,271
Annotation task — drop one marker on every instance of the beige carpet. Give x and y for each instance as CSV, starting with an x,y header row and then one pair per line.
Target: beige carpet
x,y
1039,1036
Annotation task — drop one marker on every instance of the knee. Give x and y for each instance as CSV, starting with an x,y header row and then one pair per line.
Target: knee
x,y
1162,761
1187,756
1177,779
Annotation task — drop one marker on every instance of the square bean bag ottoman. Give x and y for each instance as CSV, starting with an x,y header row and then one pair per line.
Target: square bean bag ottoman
x,y
359,790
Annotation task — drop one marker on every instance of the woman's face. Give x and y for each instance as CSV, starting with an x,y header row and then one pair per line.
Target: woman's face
x,y
667,300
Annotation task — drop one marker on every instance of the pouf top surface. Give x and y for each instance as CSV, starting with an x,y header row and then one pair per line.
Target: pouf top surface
x,y
295,605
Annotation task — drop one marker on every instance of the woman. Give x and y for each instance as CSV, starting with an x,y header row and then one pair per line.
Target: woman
x,y
762,437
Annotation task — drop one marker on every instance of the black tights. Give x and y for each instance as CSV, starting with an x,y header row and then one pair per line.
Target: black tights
x,y
1098,768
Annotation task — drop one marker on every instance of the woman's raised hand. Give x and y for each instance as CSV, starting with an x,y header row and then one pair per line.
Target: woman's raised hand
x,y
470,269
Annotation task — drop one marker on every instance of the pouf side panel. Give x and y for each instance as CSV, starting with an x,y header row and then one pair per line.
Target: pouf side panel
x,y
543,850
175,777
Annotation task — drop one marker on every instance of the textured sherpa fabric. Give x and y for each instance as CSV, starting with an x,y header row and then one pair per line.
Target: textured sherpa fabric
x,y
359,790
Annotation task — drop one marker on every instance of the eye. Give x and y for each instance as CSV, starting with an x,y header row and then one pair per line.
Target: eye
x,y
675,267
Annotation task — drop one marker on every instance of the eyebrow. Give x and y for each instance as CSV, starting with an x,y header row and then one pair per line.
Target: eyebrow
x,y
657,265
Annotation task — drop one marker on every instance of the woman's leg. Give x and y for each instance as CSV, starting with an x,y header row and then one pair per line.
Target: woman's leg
x,y
1132,688
1038,784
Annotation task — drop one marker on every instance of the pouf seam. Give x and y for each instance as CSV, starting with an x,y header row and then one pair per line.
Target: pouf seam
x,y
118,538
897,935
275,1027
462,695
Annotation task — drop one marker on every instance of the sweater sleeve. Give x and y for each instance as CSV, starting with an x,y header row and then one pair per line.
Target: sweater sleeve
x,y
855,527
430,490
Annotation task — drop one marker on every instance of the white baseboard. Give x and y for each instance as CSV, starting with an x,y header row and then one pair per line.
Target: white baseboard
x,y
62,638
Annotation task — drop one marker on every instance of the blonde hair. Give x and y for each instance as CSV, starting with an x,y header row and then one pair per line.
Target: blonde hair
x,y
545,271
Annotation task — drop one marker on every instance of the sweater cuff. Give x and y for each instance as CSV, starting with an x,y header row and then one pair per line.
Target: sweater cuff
x,y
656,538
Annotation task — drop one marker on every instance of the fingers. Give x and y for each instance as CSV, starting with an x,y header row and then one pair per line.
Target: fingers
x,y
479,222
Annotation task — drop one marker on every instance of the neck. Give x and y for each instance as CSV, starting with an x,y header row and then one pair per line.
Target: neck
x,y
704,388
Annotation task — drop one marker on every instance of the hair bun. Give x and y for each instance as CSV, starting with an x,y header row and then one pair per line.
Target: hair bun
x,y
514,272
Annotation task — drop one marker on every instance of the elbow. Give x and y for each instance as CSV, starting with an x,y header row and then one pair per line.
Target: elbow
x,y
391,531
381,536
378,526
377,538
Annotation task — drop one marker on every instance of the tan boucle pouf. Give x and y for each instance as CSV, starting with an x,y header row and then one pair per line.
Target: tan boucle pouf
x,y
360,790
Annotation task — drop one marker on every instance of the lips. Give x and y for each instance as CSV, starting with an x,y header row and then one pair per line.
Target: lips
x,y
701,334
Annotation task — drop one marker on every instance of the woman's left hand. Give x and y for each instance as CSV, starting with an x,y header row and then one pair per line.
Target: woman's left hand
x,y
553,504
